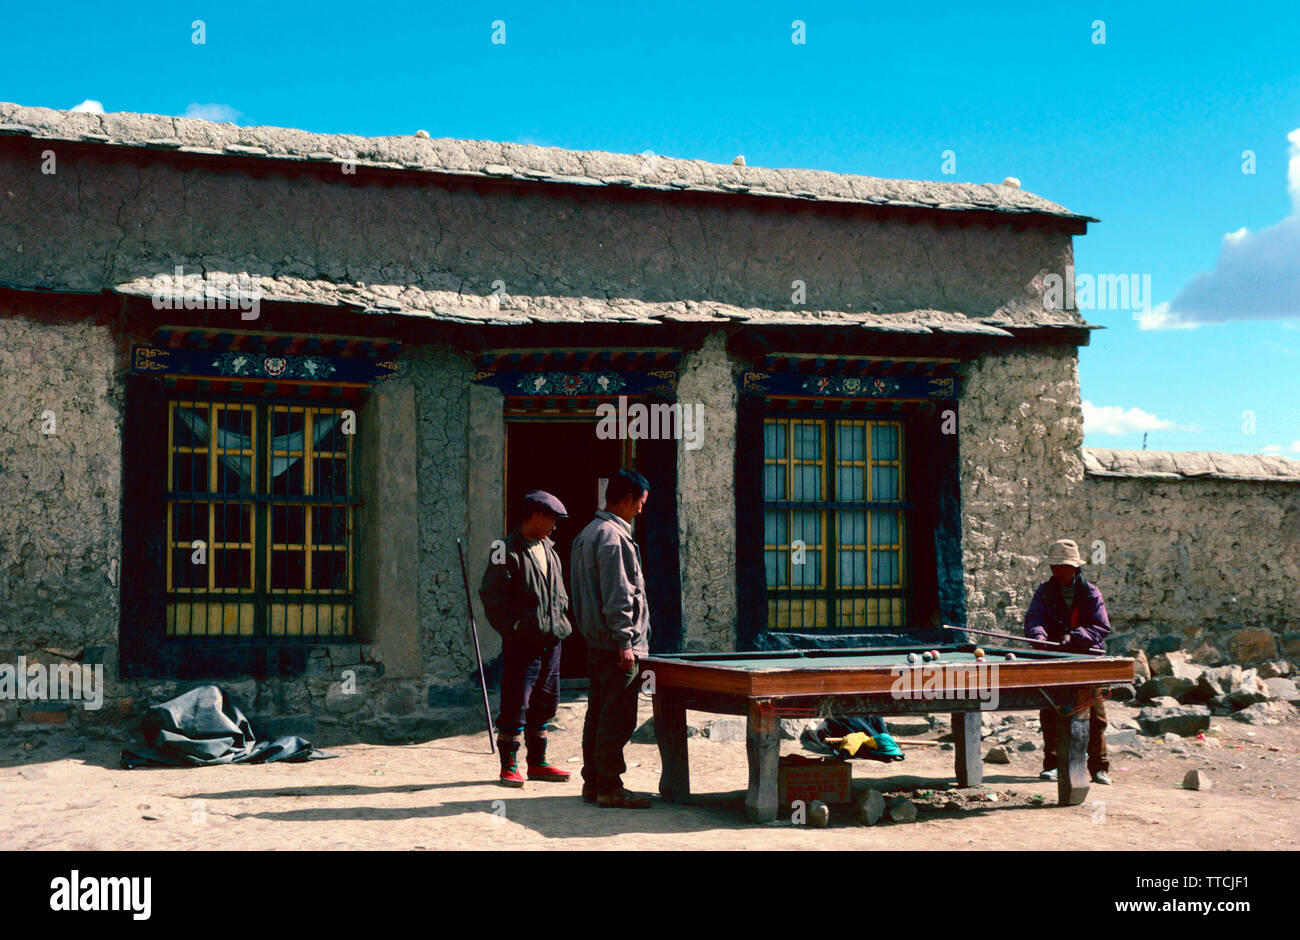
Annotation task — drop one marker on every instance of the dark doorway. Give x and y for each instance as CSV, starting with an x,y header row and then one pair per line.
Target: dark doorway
x,y
567,459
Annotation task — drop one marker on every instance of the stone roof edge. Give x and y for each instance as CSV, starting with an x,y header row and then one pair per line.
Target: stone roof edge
x,y
532,164
1189,465
550,310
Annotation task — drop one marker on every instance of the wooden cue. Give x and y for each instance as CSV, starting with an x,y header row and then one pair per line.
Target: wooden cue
x,y
1004,636
833,742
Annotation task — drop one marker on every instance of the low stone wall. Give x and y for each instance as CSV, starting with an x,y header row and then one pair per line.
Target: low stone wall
x,y
1195,551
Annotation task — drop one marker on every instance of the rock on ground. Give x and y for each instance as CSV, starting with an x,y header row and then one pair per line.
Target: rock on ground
x,y
870,807
1266,713
819,814
1183,720
901,809
908,726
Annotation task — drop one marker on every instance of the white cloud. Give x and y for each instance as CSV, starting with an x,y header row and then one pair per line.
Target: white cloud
x,y
211,112
1112,419
89,106
1257,276
1159,318
1293,447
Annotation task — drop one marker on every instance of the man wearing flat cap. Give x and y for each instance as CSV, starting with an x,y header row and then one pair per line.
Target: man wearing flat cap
x,y
1069,610
525,601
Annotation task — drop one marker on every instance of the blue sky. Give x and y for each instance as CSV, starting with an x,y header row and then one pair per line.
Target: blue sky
x,y
1145,131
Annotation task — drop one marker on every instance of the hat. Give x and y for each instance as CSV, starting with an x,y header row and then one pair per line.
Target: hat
x,y
545,502
1064,552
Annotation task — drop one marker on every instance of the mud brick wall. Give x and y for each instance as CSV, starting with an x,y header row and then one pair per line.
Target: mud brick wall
x,y
60,532
442,380
1207,565
706,513
106,218
1021,427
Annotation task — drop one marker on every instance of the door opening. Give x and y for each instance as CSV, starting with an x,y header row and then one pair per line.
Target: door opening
x,y
567,459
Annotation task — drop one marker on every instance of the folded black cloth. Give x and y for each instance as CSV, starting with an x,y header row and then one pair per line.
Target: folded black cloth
x,y
204,727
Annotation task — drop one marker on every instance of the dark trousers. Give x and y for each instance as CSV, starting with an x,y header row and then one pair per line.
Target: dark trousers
x,y
611,719
530,684
1097,759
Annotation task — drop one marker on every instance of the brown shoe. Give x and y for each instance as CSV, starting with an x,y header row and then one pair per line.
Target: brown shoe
x,y
623,799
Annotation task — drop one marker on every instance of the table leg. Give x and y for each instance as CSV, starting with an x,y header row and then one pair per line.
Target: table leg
x,y
670,733
763,742
966,730
1072,783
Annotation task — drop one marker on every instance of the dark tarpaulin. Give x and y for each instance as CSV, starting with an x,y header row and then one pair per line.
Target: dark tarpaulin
x,y
204,727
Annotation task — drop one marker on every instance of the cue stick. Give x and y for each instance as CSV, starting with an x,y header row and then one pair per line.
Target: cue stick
x,y
1005,636
478,656
835,742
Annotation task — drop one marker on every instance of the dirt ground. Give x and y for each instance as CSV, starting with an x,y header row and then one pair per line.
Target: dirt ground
x,y
71,794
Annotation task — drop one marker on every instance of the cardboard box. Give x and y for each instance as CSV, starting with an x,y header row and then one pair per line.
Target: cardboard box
x,y
830,782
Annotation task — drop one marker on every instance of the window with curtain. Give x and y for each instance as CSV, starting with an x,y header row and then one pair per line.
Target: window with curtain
x,y
834,520
269,488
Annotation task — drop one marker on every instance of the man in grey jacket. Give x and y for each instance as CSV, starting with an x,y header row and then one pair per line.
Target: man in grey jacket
x,y
609,604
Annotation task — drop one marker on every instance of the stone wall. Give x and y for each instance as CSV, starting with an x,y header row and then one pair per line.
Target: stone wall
x,y
60,531
1021,427
706,512
1204,564
1204,558
442,381
60,535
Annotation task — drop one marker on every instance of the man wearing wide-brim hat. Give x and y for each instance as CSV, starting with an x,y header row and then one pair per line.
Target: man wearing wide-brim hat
x,y
1067,609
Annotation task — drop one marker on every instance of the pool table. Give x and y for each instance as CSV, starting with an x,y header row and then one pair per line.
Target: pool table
x,y
768,686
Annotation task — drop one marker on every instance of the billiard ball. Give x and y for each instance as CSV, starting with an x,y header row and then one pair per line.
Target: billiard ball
x,y
1011,655
913,658
979,653
926,656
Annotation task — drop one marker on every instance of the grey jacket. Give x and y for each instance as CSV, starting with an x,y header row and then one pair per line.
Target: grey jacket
x,y
519,601
609,599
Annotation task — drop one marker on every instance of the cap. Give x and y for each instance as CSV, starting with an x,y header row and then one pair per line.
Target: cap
x,y
546,502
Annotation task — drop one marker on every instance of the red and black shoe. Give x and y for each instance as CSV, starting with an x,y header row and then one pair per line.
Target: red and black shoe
x,y
548,772
538,767
508,748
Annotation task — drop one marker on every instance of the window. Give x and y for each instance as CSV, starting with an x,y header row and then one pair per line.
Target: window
x,y
268,488
834,521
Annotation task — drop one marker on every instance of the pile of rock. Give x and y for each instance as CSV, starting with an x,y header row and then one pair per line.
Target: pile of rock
x,y
1180,696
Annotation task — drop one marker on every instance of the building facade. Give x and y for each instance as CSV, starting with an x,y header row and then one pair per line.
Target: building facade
x,y
258,382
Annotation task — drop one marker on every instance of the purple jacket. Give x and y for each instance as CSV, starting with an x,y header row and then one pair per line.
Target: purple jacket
x,y
1083,627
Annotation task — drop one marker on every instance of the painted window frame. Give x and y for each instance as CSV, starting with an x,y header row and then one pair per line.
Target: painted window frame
x,y
261,607
827,596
